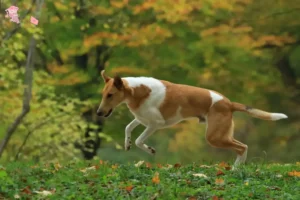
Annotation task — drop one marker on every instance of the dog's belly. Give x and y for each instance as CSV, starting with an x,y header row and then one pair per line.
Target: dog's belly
x,y
151,117
171,122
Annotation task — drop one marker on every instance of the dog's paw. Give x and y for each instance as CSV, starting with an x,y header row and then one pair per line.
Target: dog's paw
x,y
127,144
151,150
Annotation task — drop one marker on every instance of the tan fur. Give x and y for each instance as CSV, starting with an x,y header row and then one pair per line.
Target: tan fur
x,y
251,111
137,96
194,101
220,128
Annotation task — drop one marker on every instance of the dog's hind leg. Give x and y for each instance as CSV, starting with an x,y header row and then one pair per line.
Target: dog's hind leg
x,y
241,159
219,134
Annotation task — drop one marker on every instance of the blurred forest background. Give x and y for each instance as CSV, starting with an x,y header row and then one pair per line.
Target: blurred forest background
x,y
248,50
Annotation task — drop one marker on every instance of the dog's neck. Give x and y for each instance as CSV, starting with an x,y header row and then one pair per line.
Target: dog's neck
x,y
135,96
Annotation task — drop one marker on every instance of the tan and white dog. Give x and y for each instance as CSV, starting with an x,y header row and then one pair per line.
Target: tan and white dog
x,y
157,104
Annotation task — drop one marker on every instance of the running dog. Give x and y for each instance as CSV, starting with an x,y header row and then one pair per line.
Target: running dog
x,y
158,104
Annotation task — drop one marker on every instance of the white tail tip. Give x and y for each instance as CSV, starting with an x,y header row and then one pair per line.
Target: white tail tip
x,y
278,116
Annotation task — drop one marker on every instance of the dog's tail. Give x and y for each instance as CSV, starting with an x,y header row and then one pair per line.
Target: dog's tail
x,y
258,113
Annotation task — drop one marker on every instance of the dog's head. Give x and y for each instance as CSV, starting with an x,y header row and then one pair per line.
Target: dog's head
x,y
112,95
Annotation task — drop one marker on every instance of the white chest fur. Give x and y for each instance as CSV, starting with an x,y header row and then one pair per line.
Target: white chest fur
x,y
148,113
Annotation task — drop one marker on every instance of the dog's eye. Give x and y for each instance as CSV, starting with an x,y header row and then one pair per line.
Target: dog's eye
x,y
109,95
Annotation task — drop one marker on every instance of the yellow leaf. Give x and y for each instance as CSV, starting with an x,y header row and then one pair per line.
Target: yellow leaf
x,y
222,4
294,173
114,166
155,179
99,10
219,181
118,3
56,69
144,6
57,166
129,70
60,6
225,165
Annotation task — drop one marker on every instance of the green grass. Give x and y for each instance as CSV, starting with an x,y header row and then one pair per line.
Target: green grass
x,y
108,181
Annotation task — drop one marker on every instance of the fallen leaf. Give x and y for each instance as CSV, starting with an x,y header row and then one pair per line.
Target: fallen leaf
x,y
192,198
57,166
44,192
274,188
101,162
205,166
148,165
225,165
91,183
129,188
294,173
215,198
159,165
155,179
26,190
88,169
219,173
139,163
114,166
200,175
16,196
278,175
219,181
168,166
177,165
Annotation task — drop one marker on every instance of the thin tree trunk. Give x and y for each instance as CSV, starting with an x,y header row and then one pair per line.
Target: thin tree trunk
x,y
27,89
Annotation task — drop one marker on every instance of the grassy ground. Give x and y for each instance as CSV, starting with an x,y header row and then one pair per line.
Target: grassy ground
x,y
102,180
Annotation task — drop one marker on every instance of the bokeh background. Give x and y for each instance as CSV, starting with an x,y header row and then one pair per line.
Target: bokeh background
x,y
247,50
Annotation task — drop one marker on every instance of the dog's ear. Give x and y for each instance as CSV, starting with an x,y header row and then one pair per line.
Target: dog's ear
x,y
105,78
118,83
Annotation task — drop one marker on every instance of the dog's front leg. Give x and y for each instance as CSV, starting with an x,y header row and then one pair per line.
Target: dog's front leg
x,y
129,128
141,139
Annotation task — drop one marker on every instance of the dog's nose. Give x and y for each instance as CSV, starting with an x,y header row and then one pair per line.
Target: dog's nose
x,y
99,113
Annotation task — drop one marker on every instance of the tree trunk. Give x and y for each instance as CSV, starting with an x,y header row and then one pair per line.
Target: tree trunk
x,y
27,89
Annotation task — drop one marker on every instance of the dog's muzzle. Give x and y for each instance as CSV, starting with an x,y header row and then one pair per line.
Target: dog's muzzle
x,y
102,114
